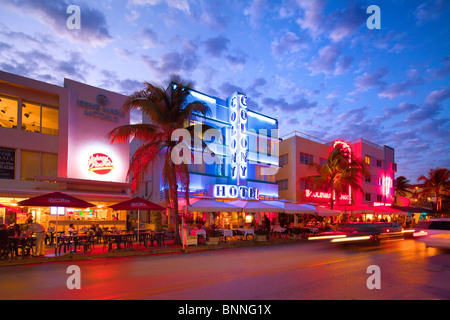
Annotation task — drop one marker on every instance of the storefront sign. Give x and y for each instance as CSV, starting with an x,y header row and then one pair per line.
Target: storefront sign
x,y
325,195
100,163
7,163
232,191
238,139
100,110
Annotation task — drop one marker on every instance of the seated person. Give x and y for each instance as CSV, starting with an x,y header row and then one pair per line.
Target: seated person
x,y
71,230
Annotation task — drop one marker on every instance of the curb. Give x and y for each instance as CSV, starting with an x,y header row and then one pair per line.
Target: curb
x,y
131,253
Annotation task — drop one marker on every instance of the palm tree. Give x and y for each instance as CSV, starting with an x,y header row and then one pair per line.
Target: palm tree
x,y
403,187
168,111
436,183
340,171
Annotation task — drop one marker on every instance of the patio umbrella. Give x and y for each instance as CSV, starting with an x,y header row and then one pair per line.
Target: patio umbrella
x,y
55,199
210,205
356,209
325,212
291,207
137,204
255,206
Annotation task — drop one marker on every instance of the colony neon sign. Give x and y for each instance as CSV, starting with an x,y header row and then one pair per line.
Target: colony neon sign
x,y
238,139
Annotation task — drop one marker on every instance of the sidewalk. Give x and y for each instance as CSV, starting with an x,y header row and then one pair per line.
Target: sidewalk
x,y
168,248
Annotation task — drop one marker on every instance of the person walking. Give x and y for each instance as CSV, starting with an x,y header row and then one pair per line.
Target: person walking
x,y
39,230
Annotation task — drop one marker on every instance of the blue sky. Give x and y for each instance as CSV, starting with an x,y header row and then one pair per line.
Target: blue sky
x,y
312,64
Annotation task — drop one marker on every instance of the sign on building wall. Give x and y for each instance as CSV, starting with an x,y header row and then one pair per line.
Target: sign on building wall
x,y
7,163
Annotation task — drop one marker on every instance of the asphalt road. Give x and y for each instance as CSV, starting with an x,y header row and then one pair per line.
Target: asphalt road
x,y
406,270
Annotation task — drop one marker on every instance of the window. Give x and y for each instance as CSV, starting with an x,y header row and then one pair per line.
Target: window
x,y
394,166
305,184
379,163
368,179
322,161
283,184
367,159
367,196
379,198
379,181
306,158
263,173
8,112
31,117
50,120
284,160
35,164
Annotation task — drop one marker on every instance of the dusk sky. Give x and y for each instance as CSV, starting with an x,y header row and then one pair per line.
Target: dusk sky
x,y
313,64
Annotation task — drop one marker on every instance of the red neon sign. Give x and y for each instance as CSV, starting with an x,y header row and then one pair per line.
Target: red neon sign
x,y
325,195
100,163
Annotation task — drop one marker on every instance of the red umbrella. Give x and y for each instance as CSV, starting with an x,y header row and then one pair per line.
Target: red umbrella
x,y
137,204
55,199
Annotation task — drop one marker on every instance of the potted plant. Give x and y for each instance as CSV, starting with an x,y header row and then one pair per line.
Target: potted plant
x,y
213,236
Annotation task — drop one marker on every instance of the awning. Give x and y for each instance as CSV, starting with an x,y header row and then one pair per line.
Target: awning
x,y
254,206
356,209
408,209
387,210
326,212
209,205
55,199
291,207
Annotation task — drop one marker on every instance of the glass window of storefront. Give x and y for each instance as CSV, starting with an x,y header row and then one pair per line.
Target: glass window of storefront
x,y
39,118
8,112
35,164
50,120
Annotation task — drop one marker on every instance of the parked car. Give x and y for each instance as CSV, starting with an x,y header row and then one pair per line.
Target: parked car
x,y
434,232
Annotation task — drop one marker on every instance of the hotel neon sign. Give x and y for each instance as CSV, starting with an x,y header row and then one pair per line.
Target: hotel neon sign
x,y
325,195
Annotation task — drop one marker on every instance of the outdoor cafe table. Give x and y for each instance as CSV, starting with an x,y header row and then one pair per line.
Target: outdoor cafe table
x,y
246,231
118,238
22,242
75,239
226,233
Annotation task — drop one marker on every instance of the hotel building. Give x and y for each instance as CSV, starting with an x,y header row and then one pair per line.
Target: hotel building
x,y
244,155
53,138
298,149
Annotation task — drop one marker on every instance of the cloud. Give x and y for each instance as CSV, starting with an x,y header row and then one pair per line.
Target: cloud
x,y
288,43
370,80
94,29
181,5
430,10
404,87
256,11
215,47
280,104
312,16
330,61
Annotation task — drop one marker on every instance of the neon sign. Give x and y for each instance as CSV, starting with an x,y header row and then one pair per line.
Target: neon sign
x,y
100,163
325,195
232,191
387,184
238,139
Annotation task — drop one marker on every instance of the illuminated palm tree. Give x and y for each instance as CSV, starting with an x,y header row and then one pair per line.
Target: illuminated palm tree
x,y
341,171
436,183
168,111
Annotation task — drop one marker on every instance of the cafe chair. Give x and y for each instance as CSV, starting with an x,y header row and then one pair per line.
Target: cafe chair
x,y
61,243
87,243
159,237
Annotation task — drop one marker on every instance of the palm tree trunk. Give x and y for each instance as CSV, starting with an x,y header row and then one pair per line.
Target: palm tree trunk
x,y
174,193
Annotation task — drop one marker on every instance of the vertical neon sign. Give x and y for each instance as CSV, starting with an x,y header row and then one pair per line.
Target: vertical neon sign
x,y
238,139
346,147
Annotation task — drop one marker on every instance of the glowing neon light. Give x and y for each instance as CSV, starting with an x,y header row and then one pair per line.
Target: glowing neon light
x,y
325,195
262,118
238,139
351,239
327,237
100,163
232,191
387,184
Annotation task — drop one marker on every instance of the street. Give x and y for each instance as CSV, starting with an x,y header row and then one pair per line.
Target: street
x,y
407,270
